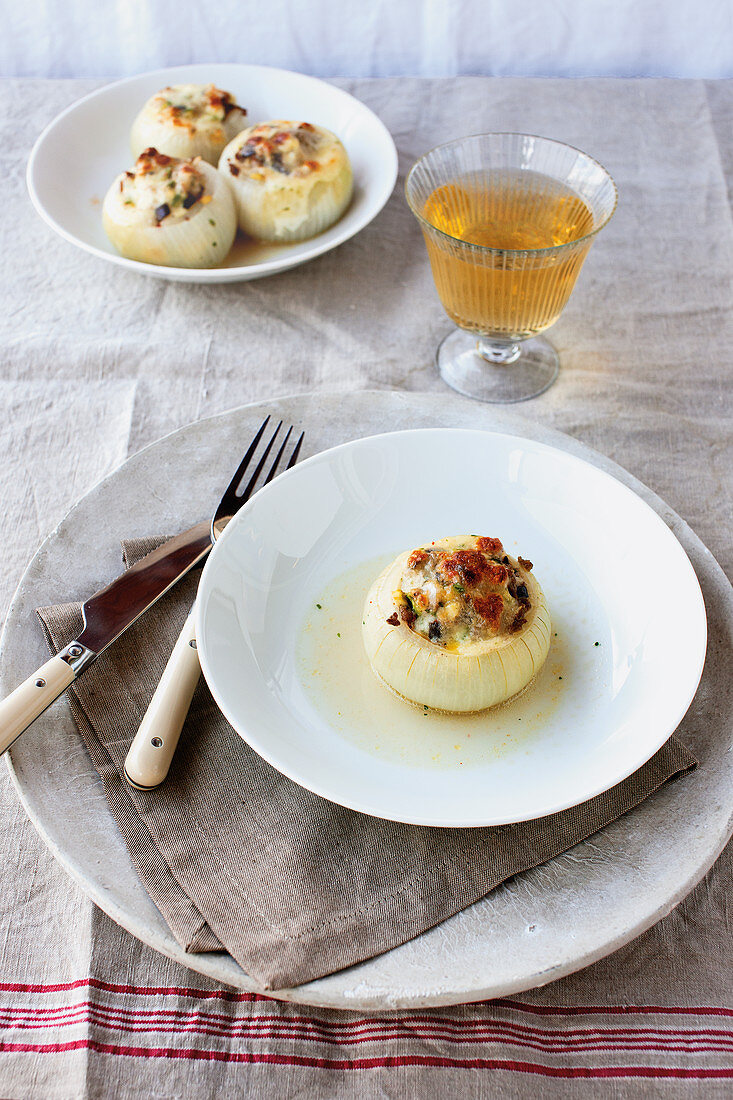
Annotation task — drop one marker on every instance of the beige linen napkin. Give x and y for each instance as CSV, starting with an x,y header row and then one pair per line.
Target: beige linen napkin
x,y
237,856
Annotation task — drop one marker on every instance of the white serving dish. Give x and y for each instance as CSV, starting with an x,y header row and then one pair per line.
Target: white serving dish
x,y
79,154
628,618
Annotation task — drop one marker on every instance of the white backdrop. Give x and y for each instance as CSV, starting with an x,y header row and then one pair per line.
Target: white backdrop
x,y
110,38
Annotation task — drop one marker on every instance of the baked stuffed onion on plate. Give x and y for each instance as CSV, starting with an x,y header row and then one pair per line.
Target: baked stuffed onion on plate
x,y
188,120
167,211
457,625
290,180
281,633
91,137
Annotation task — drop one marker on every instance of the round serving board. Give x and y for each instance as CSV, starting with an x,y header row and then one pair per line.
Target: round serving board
x,y
543,924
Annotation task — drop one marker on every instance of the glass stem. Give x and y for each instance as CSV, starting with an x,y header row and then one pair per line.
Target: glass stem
x,y
498,351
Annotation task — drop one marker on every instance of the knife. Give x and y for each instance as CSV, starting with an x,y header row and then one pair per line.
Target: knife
x,y
107,614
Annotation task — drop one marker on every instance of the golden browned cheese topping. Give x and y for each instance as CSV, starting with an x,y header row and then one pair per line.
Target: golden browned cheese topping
x,y
163,187
464,594
288,148
191,106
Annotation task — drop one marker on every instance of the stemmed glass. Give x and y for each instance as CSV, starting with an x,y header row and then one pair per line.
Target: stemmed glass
x,y
508,220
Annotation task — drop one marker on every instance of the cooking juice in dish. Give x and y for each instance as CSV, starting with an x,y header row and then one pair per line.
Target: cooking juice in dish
x,y
514,291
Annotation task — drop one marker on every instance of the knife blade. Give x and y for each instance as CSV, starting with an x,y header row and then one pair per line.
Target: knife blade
x,y
107,614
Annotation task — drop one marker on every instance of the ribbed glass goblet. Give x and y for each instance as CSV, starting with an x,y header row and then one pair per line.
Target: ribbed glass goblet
x,y
508,220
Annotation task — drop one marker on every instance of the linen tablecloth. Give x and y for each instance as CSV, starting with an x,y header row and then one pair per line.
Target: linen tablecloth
x,y
97,362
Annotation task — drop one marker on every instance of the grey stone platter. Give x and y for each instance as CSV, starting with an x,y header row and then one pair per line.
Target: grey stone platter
x,y
541,925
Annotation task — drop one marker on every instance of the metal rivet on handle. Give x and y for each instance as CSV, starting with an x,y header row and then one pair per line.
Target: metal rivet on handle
x,y
40,683
156,742
192,644
75,651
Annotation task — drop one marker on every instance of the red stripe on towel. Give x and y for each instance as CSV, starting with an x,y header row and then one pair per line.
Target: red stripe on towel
x,y
369,1063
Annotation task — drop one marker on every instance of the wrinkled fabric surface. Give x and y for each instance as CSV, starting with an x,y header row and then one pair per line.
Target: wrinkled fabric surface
x,y
97,362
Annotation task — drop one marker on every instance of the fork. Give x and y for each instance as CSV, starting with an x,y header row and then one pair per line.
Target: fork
x,y
150,754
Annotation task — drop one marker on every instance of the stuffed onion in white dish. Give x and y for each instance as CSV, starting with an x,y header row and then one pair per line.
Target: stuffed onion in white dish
x,y
171,212
457,625
290,180
188,120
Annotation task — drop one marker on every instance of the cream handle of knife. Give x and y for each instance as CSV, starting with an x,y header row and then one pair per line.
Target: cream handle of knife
x,y
154,744
31,698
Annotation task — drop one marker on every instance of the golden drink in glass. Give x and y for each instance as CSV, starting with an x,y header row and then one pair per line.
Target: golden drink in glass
x,y
508,220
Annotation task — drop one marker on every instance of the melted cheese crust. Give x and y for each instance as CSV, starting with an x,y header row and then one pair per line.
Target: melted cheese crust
x,y
160,187
460,591
272,150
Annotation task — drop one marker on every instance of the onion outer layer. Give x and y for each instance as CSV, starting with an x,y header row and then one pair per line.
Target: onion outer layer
x,y
478,676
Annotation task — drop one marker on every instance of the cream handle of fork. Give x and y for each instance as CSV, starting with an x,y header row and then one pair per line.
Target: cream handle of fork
x,y
155,742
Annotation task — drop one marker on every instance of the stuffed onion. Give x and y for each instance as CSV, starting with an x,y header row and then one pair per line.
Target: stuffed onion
x,y
457,625
290,180
176,213
188,120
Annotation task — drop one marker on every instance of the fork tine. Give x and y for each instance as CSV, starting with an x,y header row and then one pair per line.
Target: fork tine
x,y
247,491
291,461
232,501
234,483
276,462
296,452
278,456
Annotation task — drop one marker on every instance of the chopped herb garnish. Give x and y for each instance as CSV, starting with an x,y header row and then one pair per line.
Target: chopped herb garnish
x,y
459,588
318,606
596,643
338,635
177,200
211,221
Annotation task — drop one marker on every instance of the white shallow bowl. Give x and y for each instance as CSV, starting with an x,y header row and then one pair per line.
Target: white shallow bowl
x,y
77,157
611,570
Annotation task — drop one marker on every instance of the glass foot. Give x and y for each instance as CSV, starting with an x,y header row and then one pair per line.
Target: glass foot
x,y
530,372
